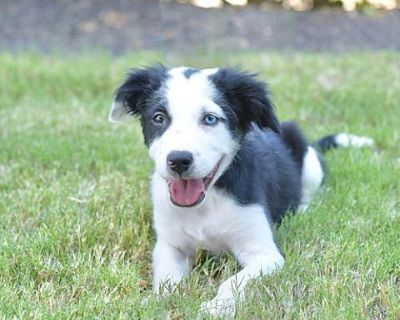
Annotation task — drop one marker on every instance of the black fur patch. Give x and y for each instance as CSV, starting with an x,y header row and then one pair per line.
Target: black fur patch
x,y
142,93
245,100
296,142
139,86
189,72
151,129
263,172
326,143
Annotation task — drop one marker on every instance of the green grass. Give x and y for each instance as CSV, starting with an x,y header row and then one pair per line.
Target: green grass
x,y
75,214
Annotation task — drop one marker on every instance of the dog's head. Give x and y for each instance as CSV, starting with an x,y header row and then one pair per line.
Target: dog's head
x,y
193,122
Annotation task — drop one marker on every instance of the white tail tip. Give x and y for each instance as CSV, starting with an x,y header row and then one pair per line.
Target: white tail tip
x,y
350,140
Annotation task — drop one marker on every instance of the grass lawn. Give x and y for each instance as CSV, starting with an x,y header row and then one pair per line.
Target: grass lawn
x,y
75,215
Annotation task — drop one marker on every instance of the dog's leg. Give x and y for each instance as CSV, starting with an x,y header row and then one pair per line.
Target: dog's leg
x,y
255,264
170,265
257,252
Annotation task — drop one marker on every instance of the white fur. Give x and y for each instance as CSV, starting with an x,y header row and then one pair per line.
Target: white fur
x,y
311,178
217,225
350,140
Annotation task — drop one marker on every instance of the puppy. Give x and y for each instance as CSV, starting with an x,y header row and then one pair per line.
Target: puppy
x,y
225,170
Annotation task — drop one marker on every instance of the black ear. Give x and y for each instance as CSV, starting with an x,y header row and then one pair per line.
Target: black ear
x,y
247,98
139,85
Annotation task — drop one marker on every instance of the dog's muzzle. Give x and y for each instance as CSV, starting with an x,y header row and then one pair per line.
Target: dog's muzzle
x,y
190,192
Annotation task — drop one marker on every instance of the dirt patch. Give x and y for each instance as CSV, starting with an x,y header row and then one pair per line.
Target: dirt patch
x,y
127,25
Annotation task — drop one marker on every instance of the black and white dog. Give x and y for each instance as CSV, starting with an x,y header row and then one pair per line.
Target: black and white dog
x,y
225,169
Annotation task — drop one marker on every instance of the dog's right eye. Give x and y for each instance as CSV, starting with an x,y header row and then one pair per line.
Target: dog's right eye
x,y
159,118
210,119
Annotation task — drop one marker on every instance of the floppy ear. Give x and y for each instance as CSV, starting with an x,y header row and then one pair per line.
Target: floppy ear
x,y
131,96
247,97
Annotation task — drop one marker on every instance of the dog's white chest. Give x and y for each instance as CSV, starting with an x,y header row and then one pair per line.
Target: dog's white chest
x,y
209,228
213,226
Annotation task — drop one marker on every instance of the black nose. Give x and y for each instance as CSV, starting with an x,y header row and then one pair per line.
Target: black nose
x,y
179,161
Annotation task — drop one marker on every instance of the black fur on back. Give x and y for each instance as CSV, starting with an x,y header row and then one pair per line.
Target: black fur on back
x,y
294,139
264,172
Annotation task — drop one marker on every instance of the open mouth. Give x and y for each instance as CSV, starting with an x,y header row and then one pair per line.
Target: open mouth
x,y
190,192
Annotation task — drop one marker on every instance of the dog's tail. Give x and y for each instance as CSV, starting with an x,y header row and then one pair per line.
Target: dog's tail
x,y
309,157
342,140
298,145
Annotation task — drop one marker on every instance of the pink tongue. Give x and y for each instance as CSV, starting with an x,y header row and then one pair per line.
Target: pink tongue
x,y
186,192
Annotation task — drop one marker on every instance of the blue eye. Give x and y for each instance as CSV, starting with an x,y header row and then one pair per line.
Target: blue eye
x,y
210,120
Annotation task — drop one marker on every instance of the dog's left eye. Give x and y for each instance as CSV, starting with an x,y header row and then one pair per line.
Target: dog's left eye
x,y
159,118
210,120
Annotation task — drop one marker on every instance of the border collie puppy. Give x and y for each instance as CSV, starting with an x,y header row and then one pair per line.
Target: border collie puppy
x,y
225,170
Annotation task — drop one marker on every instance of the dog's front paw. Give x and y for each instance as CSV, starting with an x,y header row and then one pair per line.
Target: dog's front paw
x,y
218,307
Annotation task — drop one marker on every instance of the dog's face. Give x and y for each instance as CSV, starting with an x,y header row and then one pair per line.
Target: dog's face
x,y
193,122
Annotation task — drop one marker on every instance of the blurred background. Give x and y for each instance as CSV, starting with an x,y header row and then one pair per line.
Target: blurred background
x,y
198,26
75,210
